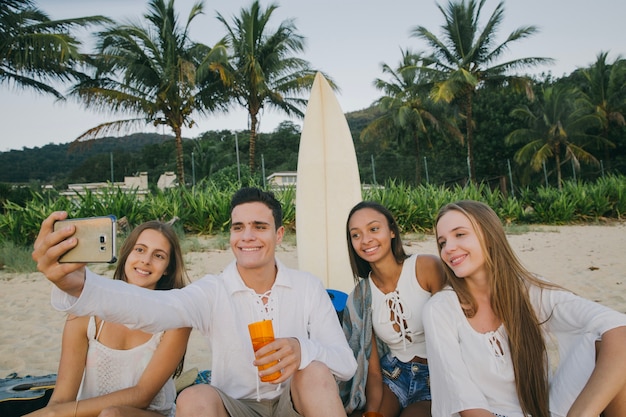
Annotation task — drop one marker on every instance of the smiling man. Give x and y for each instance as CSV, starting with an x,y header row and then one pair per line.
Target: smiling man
x,y
310,347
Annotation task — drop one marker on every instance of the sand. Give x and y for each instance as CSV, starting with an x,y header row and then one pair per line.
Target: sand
x,y
588,259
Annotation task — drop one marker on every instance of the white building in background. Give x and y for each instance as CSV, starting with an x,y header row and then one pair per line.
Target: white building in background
x,y
137,184
283,179
167,180
290,179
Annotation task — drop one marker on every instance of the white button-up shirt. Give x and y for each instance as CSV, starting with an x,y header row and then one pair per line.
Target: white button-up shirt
x,y
221,307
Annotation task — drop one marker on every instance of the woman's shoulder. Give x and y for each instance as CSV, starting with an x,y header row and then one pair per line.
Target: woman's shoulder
x,y
78,322
445,297
425,257
444,303
429,272
426,261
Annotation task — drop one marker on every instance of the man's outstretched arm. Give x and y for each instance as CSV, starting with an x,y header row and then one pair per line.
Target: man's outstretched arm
x,y
49,246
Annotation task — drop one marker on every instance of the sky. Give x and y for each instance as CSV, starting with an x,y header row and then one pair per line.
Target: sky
x,y
347,39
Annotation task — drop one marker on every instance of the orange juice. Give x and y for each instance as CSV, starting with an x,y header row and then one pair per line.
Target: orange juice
x,y
262,333
258,344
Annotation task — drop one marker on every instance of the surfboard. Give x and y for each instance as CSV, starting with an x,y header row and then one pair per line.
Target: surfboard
x,y
327,187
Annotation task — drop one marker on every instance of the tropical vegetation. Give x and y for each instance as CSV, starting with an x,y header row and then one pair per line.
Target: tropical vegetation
x,y
204,209
406,111
467,57
264,69
37,52
155,73
432,101
552,151
559,127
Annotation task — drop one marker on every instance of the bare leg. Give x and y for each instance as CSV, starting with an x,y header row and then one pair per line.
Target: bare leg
x,y
314,392
200,400
418,409
125,411
390,405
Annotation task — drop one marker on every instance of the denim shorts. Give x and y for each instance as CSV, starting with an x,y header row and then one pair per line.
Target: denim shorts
x,y
409,381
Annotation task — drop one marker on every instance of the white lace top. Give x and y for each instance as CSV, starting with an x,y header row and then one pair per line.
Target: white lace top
x,y
397,316
108,370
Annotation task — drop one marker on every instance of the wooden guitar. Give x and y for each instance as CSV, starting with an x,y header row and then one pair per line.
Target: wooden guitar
x,y
21,395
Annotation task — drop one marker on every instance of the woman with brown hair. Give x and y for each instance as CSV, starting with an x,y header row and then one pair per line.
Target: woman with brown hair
x,y
107,368
488,333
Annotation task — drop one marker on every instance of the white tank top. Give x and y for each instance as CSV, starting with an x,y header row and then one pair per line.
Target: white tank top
x,y
108,370
402,307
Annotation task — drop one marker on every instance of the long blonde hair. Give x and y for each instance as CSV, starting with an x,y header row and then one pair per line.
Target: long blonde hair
x,y
510,302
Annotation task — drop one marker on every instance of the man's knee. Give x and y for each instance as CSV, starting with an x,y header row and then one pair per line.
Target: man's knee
x,y
198,400
314,392
317,375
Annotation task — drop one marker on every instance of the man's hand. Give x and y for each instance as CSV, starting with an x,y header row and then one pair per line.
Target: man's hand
x,y
49,246
284,350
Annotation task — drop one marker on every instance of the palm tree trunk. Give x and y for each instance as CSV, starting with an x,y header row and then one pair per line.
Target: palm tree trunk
x,y
180,169
469,127
418,164
253,124
557,157
607,152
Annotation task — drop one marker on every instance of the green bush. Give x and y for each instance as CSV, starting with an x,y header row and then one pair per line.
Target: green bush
x,y
204,209
14,258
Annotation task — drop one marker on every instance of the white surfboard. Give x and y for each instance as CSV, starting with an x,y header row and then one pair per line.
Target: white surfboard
x,y
328,186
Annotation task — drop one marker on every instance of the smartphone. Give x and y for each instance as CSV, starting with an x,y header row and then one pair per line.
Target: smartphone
x,y
96,240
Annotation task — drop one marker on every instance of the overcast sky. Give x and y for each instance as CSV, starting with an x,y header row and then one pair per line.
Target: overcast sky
x,y
347,39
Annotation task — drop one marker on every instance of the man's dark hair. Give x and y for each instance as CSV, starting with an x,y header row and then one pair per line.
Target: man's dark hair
x,y
256,195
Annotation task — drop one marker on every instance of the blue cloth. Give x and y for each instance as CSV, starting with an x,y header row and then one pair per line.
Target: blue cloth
x,y
204,377
338,298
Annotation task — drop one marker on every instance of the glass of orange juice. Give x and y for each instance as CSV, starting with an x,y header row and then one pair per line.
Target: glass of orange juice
x,y
262,333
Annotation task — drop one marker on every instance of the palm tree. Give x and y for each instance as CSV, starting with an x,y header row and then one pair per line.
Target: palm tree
x,y
464,59
36,51
155,73
263,68
605,90
406,108
558,129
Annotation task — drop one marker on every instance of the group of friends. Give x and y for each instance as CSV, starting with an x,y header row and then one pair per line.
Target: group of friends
x,y
464,334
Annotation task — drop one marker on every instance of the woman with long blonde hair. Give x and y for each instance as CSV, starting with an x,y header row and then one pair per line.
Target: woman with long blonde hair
x,y
487,332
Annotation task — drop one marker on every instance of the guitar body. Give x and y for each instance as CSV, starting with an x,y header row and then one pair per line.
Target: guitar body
x,y
22,395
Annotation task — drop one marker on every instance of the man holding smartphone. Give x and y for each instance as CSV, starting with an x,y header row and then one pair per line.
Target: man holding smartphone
x,y
310,347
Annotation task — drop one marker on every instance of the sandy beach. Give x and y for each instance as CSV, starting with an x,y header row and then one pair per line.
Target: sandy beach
x,y
587,259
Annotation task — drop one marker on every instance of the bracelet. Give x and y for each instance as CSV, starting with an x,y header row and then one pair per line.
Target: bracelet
x,y
76,408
